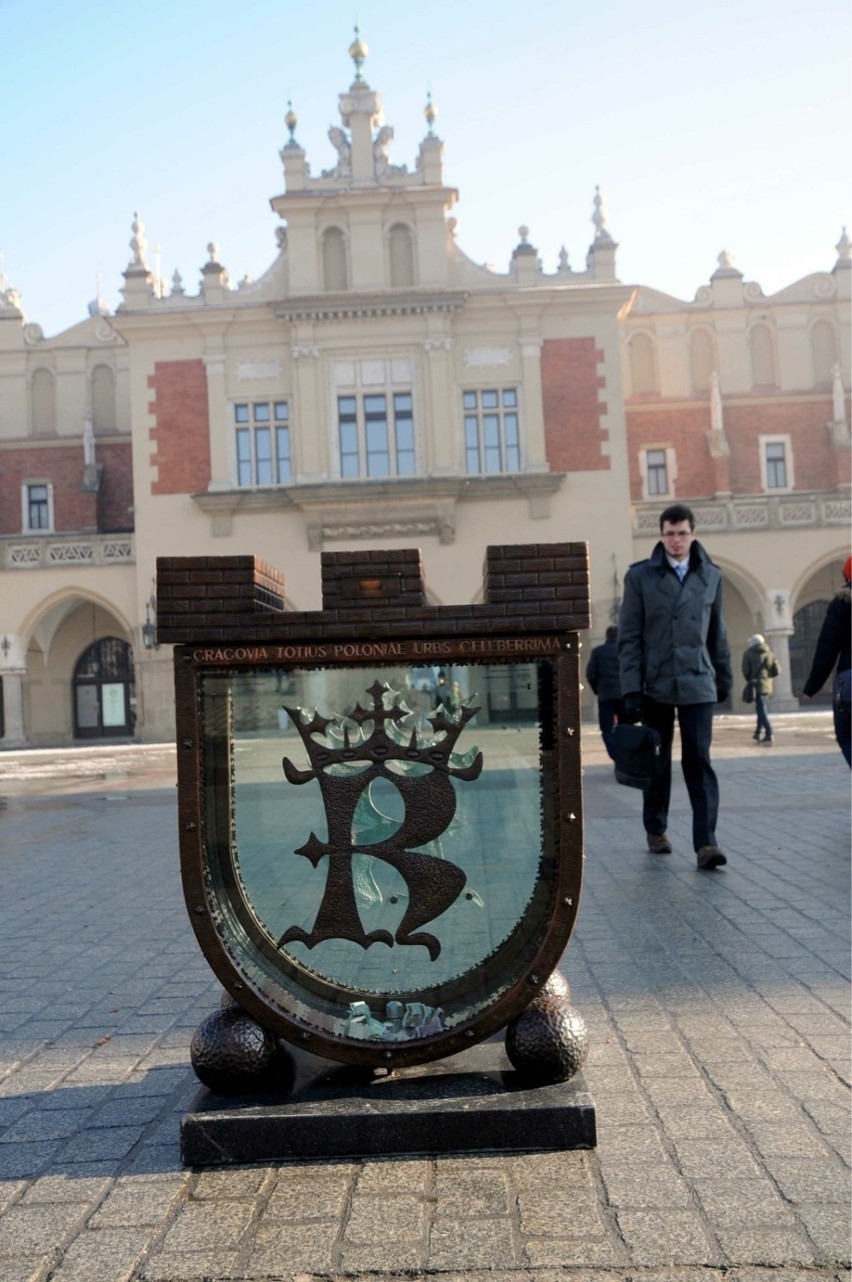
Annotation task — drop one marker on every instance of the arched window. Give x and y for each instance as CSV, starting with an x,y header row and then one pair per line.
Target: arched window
x,y
43,403
401,251
643,364
103,399
824,351
762,356
702,359
334,272
104,690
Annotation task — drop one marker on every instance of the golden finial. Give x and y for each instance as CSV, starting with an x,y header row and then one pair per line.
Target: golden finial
x,y
291,120
358,51
430,111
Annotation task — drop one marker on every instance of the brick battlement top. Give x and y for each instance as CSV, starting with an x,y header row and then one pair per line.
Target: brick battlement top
x,y
220,600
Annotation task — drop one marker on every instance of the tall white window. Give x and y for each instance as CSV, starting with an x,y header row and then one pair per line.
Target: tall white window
x,y
658,473
37,507
334,269
776,463
492,440
643,364
262,442
376,434
702,359
657,467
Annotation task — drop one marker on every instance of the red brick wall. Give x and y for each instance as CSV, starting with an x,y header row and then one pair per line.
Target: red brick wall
x,y
62,467
181,437
817,465
115,498
572,409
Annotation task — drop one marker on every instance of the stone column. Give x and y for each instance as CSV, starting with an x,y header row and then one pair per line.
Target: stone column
x,y
219,427
532,411
783,699
13,709
312,462
440,409
777,629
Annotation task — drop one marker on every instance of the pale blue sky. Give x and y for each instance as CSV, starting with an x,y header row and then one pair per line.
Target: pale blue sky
x,y
707,127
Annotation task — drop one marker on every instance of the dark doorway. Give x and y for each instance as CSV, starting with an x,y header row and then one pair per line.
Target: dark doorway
x,y
512,693
807,623
104,691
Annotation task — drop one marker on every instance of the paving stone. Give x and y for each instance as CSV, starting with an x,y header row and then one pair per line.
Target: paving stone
x,y
140,1204
772,1246
22,1160
639,1185
324,1199
597,1253
561,1213
399,1218
829,1232
473,1193
676,1237
474,1244
208,1225
389,1177
810,1181
29,1230
102,1255
31,1268
748,1200
280,1250
67,1189
195,1266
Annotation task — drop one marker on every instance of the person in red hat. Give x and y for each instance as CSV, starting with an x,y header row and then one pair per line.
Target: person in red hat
x,y
833,645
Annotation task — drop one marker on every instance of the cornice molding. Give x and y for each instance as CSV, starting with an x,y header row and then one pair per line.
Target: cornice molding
x,y
356,303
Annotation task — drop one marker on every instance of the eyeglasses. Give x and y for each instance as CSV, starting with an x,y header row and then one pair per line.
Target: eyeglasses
x,y
677,534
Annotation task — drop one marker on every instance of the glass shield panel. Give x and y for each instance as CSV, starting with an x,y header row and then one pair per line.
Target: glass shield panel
x,y
374,841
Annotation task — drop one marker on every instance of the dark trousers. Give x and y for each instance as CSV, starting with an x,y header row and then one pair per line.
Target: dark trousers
x,y
609,712
842,705
696,732
761,707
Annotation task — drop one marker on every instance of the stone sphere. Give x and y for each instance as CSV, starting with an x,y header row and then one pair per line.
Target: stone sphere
x,y
234,1055
555,986
548,1041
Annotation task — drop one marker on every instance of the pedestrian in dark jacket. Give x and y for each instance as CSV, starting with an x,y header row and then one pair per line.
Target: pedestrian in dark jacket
x,y
603,676
759,667
833,646
674,658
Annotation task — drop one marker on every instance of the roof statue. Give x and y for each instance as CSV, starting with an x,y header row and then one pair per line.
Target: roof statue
x,y
599,218
139,244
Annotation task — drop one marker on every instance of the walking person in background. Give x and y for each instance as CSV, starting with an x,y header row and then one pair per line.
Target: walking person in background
x,y
674,657
759,667
833,645
602,675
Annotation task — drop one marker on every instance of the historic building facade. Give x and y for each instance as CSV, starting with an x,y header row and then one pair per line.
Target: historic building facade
x,y
378,388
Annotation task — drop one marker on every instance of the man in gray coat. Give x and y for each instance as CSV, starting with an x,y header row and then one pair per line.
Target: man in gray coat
x,y
674,656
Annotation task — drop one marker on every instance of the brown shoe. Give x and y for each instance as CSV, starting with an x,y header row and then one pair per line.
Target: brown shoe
x,y
710,857
659,844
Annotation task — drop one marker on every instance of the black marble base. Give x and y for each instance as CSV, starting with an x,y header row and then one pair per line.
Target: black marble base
x,y
471,1102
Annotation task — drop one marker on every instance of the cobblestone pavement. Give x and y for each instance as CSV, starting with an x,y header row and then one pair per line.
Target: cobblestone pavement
x,y
717,1006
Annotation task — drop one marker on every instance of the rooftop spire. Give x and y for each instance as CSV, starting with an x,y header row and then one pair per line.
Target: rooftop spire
x,y
291,120
358,51
430,111
138,243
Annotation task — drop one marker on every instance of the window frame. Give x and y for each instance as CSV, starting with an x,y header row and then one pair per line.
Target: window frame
x,y
488,421
645,470
765,443
262,442
373,433
27,502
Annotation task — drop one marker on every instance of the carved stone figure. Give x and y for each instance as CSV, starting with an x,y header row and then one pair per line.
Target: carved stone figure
x,y
381,144
341,144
